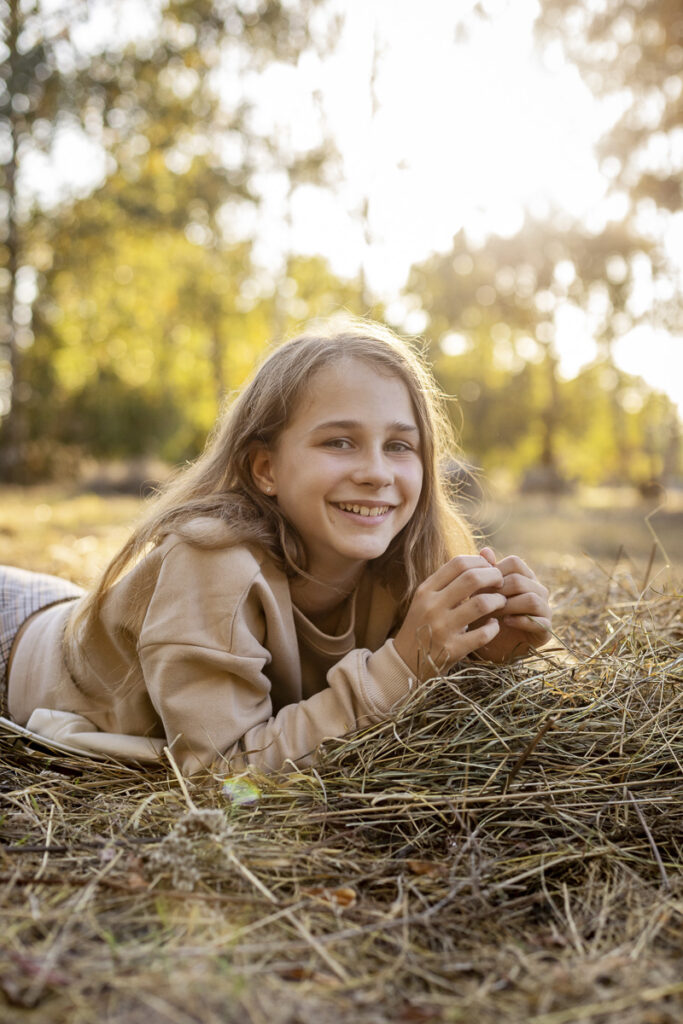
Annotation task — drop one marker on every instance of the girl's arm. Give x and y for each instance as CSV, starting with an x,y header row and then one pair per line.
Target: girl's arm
x,y
225,716
205,658
221,666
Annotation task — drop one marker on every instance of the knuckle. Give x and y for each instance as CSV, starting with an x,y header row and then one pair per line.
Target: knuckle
x,y
465,561
465,578
470,578
492,627
482,604
516,583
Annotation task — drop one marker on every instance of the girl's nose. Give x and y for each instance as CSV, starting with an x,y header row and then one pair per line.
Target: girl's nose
x,y
373,467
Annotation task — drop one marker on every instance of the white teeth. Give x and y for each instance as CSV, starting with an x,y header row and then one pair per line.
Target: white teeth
x,y
364,510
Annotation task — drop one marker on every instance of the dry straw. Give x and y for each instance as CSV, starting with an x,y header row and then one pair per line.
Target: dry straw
x,y
509,848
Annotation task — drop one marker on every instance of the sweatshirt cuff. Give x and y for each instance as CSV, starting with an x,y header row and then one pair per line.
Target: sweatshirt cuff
x,y
389,680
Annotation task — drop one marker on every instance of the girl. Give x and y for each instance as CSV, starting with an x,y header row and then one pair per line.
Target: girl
x,y
292,584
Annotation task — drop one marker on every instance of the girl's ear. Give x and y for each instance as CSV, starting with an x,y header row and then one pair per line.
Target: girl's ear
x,y
262,469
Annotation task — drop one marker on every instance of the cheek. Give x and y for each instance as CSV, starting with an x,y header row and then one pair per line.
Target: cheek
x,y
417,482
412,489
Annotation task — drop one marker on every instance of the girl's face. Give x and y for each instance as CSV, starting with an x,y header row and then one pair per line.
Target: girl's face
x,y
347,470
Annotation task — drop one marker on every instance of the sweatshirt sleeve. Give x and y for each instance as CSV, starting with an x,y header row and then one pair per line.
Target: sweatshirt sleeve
x,y
363,689
204,665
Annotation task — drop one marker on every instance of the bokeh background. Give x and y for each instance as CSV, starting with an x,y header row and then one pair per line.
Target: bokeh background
x,y
184,182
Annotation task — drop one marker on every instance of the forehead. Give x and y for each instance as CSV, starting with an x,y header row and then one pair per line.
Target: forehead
x,y
358,389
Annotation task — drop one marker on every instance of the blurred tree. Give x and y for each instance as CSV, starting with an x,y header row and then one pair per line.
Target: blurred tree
x,y
129,332
630,51
145,318
607,276
493,316
39,90
630,54
312,290
183,146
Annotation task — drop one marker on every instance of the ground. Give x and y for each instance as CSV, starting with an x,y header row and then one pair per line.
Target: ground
x,y
508,850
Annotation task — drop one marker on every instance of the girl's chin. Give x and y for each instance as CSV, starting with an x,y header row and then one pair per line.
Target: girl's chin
x,y
368,553
346,564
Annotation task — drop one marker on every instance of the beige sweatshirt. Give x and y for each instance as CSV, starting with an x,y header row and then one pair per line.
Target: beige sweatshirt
x,y
218,663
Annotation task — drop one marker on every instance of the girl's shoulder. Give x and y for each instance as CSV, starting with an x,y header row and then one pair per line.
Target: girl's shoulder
x,y
198,564
215,547
203,532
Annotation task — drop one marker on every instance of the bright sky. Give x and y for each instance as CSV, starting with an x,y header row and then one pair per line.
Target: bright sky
x,y
465,134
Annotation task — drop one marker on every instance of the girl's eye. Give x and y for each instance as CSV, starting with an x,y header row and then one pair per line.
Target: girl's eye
x,y
338,442
400,446
345,443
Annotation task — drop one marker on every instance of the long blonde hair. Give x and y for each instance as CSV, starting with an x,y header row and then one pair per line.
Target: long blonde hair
x,y
220,484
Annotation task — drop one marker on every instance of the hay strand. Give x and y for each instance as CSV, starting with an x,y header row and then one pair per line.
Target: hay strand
x,y
509,848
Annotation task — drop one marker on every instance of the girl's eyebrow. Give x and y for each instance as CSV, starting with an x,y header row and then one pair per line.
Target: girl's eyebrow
x,y
397,426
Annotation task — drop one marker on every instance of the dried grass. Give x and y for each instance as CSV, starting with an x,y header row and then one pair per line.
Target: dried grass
x,y
509,849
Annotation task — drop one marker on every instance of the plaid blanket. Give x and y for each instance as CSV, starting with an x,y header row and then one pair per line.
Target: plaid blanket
x,y
21,594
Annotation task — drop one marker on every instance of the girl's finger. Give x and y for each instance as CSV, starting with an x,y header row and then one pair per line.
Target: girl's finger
x,y
476,638
470,582
517,585
454,568
479,606
532,624
489,554
514,564
460,644
530,603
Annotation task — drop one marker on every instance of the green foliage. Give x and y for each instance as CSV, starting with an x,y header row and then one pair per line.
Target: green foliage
x,y
504,300
141,319
131,312
140,333
630,54
491,332
632,49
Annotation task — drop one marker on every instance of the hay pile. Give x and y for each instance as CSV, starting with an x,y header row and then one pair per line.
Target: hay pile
x,y
509,849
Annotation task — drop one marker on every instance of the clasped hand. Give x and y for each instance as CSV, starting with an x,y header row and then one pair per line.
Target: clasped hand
x,y
473,603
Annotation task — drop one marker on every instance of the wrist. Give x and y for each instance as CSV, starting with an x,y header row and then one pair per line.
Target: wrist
x,y
406,653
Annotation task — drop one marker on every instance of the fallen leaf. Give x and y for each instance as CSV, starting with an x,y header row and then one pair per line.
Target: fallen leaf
x,y
240,791
307,974
341,897
427,867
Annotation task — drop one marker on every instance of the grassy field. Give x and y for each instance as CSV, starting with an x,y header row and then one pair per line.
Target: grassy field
x,y
48,529
507,851
599,528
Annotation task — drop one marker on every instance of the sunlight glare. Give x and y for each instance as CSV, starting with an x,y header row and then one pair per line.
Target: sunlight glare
x,y
465,133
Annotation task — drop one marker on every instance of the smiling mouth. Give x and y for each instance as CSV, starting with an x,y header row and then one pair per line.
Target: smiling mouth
x,y
364,510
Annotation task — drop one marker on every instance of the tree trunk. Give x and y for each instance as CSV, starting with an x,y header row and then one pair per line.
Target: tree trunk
x,y
12,435
550,413
618,418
